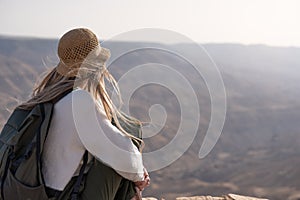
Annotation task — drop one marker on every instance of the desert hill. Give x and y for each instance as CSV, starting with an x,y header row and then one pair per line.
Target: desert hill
x,y
258,152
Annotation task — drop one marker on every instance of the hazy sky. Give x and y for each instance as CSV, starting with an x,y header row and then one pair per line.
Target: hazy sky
x,y
273,22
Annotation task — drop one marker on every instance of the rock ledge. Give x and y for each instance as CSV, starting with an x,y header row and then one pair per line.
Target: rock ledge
x,y
224,197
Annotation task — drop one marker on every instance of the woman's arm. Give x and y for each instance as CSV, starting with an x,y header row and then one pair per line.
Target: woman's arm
x,y
105,141
141,185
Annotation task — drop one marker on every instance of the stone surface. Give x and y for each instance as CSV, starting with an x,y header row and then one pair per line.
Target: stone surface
x,y
224,197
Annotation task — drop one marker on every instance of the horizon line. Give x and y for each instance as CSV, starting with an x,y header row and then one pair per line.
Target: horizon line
x,y
30,37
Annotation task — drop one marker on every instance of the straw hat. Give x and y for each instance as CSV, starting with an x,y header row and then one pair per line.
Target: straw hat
x,y
74,47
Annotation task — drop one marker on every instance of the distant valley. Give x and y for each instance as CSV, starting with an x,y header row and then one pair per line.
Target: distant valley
x,y
258,153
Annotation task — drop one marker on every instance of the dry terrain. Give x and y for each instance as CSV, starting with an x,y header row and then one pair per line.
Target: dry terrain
x,y
258,152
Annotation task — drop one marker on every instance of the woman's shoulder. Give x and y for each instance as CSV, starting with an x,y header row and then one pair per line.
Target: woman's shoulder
x,y
81,97
80,93
77,96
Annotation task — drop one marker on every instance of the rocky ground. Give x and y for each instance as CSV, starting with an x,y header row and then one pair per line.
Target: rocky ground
x,y
224,197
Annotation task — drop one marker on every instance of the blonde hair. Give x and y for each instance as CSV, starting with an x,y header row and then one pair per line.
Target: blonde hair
x,y
91,77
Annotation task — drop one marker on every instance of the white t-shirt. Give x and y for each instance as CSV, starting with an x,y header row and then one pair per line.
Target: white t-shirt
x,y
77,126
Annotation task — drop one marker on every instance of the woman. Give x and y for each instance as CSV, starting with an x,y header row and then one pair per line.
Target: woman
x,y
114,168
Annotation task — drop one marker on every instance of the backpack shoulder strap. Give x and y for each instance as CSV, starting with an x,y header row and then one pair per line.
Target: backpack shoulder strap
x,y
75,192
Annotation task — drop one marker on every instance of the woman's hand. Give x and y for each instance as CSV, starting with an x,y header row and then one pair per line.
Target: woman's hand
x,y
141,185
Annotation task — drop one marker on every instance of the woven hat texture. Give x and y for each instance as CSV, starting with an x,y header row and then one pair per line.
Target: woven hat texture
x,y
74,47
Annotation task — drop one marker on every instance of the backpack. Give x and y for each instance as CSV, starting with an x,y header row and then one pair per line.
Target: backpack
x,y
21,144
